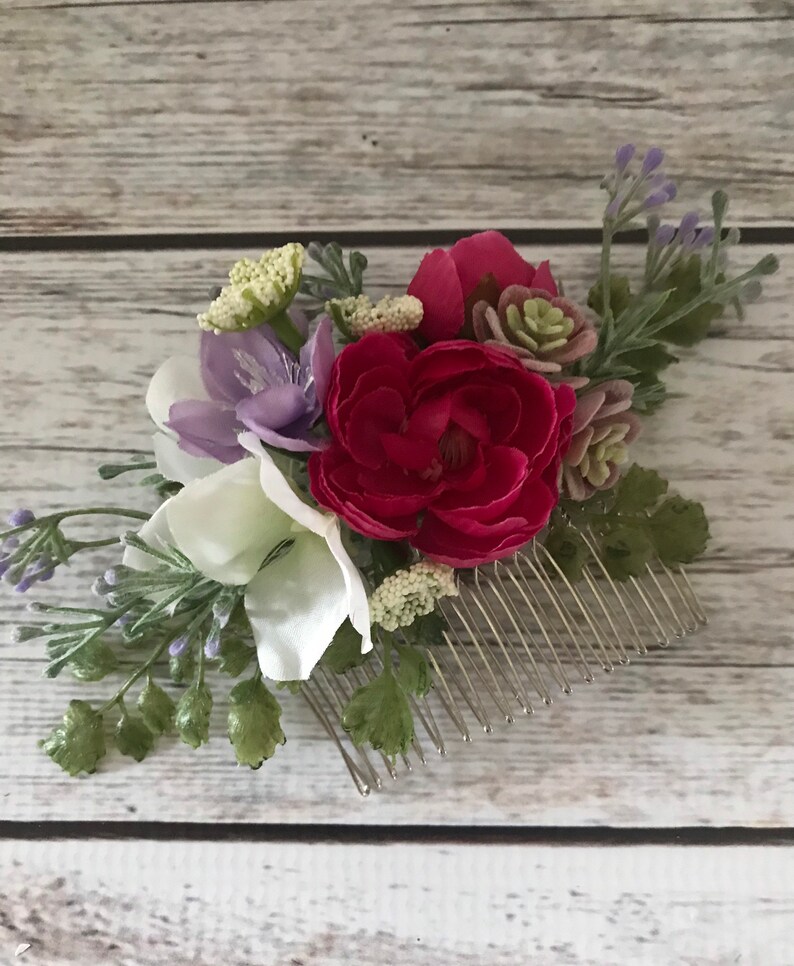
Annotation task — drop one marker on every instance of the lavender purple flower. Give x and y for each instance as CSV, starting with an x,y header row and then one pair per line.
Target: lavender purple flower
x,y
21,517
253,382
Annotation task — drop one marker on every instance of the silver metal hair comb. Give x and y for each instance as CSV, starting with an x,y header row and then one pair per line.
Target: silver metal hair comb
x,y
518,632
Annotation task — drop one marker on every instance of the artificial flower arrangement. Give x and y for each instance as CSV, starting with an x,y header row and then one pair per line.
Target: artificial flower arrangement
x,y
325,485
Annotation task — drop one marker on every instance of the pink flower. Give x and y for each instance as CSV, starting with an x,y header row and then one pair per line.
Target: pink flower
x,y
456,448
602,429
546,332
448,283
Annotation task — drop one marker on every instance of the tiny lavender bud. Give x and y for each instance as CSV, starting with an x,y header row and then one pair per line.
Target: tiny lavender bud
x,y
21,517
688,223
111,577
664,235
653,158
178,647
670,190
623,155
213,643
24,585
704,237
655,199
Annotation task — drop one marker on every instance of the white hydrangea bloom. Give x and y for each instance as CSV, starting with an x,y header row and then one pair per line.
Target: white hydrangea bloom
x,y
391,314
257,290
411,593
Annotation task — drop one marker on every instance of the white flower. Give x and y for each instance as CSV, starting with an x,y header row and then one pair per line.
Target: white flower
x,y
227,524
177,378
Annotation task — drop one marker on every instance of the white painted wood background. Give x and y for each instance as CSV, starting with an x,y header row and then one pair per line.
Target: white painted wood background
x,y
209,126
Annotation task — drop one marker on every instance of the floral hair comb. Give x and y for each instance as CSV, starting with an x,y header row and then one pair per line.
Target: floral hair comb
x,y
414,513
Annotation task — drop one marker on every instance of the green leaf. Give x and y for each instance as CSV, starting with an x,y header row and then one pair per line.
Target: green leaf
x,y
649,393
78,743
344,651
619,295
292,686
427,630
157,708
650,359
93,661
569,550
254,722
387,558
181,668
639,489
132,736
193,715
413,674
379,714
680,530
684,283
235,656
625,552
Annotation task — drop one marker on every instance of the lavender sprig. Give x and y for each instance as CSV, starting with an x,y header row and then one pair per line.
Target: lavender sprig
x,y
32,547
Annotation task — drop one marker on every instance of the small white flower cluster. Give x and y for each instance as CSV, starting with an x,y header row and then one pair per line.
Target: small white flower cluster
x,y
411,593
257,288
400,314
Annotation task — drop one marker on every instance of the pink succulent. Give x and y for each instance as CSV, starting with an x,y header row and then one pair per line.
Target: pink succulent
x,y
546,331
602,429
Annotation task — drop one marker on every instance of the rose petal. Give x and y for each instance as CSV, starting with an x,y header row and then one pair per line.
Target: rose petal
x,y
543,279
489,252
437,286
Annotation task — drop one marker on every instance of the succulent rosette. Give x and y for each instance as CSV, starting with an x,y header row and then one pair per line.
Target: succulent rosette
x,y
321,484
546,332
603,427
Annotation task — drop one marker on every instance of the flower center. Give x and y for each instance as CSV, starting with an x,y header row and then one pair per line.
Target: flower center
x,y
456,446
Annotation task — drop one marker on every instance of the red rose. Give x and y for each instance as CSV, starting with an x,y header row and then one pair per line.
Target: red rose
x,y
478,267
456,448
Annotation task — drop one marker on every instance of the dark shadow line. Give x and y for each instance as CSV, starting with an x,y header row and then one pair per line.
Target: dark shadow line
x,y
753,235
396,834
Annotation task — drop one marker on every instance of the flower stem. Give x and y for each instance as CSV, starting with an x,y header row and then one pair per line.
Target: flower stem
x,y
138,673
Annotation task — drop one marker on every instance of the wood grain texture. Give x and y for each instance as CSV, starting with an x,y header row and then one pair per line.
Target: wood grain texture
x,y
152,904
654,744
698,735
503,10
219,116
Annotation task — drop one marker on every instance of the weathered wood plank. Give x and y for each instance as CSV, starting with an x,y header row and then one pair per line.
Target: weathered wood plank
x,y
653,744
487,11
164,117
153,903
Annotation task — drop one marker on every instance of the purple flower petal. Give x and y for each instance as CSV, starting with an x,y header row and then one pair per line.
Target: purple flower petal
x,y
221,354
206,428
318,356
273,408
664,235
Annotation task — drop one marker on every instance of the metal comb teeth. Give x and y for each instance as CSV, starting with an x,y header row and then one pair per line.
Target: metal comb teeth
x,y
519,632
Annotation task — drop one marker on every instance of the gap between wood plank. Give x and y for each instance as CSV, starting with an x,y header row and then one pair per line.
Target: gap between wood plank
x,y
751,235
398,835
